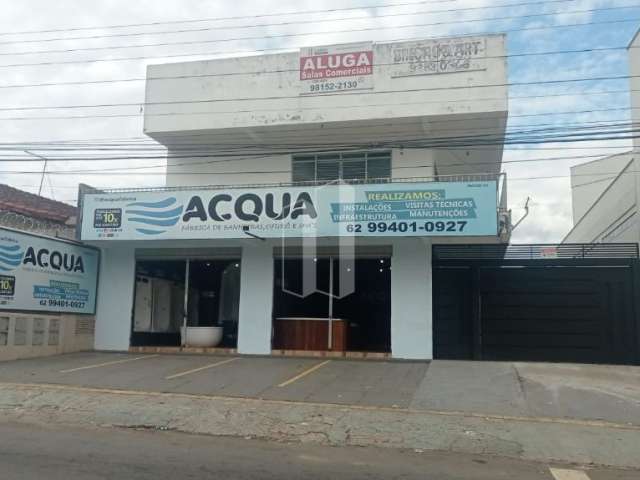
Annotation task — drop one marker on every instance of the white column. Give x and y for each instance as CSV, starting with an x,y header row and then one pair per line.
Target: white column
x,y
115,298
411,299
256,299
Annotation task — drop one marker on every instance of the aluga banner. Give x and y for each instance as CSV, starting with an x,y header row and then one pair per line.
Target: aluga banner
x,y
336,68
44,274
373,210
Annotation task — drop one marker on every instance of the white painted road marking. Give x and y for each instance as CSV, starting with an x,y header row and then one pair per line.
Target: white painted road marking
x,y
106,364
566,474
199,369
304,374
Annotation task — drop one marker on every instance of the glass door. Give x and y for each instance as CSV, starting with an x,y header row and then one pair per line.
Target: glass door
x,y
158,302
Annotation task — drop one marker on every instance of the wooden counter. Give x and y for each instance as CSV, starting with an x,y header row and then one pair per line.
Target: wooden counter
x,y
308,333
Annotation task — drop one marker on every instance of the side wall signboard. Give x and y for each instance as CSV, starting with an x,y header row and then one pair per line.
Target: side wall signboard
x,y
374,210
432,57
45,274
336,68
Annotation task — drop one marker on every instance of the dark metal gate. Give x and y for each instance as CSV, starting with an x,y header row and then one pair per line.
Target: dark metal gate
x,y
564,303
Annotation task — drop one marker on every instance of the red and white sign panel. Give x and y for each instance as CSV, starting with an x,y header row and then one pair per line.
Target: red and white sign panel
x,y
336,68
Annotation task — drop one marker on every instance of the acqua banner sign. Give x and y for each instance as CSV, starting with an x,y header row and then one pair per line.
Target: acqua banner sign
x,y
386,210
46,274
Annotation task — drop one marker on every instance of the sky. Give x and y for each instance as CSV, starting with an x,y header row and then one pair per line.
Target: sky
x,y
608,28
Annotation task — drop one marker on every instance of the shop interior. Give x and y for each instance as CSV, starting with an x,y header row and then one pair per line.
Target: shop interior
x,y
324,316
203,292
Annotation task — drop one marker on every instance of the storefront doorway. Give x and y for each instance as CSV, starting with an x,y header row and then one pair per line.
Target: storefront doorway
x,y
201,294
354,318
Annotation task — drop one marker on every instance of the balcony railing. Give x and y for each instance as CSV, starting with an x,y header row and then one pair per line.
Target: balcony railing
x,y
535,251
499,178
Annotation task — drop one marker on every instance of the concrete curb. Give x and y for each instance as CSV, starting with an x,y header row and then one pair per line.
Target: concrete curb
x,y
540,439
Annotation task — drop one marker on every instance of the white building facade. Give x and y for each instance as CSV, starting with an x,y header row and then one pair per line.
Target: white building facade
x,y
605,192
304,191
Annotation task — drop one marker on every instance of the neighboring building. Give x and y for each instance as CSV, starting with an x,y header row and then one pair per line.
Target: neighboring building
x,y
290,176
605,192
34,213
47,293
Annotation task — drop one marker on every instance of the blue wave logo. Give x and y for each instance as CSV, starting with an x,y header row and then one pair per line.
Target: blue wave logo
x,y
154,218
10,256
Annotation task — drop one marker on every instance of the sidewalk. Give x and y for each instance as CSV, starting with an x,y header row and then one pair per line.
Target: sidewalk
x,y
588,392
569,413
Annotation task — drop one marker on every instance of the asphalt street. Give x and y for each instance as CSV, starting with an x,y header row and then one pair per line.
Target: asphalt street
x,y
32,451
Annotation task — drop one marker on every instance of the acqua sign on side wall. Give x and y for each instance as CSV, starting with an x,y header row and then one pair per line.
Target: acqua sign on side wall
x,y
374,210
45,274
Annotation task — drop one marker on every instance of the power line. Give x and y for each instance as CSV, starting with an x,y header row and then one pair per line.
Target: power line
x,y
240,17
228,149
290,70
72,117
325,32
211,162
122,141
617,150
148,145
612,176
389,124
297,97
272,49
128,170
20,147
462,164
314,21
205,187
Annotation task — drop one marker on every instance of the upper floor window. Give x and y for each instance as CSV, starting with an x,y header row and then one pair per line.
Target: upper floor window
x,y
325,167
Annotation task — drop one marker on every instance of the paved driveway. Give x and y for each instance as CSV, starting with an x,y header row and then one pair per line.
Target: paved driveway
x,y
591,392
297,379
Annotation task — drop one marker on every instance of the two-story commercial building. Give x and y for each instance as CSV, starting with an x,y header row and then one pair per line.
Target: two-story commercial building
x,y
304,191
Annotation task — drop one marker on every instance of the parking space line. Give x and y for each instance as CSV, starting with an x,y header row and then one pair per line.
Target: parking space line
x,y
199,369
566,474
304,374
106,364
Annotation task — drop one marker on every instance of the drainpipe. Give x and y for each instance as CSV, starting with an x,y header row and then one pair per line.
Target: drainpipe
x,y
185,307
330,329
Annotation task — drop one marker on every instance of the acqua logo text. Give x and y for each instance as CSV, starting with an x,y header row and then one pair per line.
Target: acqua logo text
x,y
45,258
250,207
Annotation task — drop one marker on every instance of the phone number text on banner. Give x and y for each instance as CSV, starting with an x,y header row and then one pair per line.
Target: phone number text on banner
x,y
403,209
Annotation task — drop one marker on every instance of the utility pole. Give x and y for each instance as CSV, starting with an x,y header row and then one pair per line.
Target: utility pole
x,y
44,168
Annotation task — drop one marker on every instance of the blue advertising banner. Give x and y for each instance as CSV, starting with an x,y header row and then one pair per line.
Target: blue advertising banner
x,y
386,209
45,274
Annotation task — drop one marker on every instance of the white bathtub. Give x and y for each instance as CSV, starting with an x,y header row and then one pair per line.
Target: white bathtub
x,y
201,336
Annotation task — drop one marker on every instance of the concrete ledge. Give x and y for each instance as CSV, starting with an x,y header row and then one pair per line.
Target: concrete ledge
x,y
333,354
274,353
190,350
541,439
